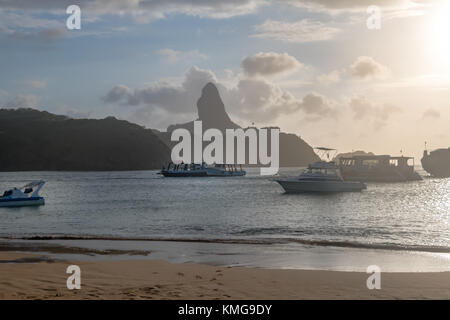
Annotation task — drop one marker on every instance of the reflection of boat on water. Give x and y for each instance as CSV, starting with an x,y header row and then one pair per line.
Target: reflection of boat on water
x,y
202,170
437,162
378,168
25,196
320,176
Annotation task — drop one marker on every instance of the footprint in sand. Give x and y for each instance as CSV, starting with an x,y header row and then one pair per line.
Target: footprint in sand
x,y
150,290
181,274
198,277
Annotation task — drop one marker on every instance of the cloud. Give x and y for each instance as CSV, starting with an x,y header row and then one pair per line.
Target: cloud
x,y
13,19
254,99
350,4
45,35
37,84
22,101
145,10
329,78
364,109
301,31
3,93
161,94
269,63
71,112
117,93
367,68
174,56
53,34
257,99
76,114
315,104
220,6
431,114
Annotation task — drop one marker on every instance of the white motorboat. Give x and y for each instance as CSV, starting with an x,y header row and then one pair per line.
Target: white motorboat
x,y
28,195
320,176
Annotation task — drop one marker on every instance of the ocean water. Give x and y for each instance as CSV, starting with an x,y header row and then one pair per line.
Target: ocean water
x,y
142,205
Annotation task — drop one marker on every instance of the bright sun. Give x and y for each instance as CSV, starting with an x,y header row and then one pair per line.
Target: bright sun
x,y
440,37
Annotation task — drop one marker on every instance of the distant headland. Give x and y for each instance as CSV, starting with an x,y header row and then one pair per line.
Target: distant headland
x,y
35,140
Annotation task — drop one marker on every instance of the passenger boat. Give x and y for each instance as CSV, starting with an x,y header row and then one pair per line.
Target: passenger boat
x,y
27,195
201,170
378,168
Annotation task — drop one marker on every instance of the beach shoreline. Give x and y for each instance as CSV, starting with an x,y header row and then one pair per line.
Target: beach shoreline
x,y
36,276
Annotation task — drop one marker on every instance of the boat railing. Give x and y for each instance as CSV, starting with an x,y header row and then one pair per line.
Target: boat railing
x,y
196,166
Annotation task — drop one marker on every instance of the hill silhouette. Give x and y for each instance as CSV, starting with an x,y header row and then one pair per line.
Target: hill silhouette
x,y
353,154
38,140
35,140
294,151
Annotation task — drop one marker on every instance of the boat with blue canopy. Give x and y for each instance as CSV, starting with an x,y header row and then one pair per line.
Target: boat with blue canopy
x,y
28,195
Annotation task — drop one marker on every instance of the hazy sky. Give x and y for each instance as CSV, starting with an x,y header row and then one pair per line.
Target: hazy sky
x,y
311,67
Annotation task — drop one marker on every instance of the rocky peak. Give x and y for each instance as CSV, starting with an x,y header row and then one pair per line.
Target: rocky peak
x,y
211,109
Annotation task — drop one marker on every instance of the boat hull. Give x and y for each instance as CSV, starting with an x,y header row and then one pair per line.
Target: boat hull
x,y
299,186
36,201
183,174
381,178
202,173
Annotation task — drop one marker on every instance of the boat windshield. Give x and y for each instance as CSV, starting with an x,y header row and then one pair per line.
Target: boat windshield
x,y
7,193
320,171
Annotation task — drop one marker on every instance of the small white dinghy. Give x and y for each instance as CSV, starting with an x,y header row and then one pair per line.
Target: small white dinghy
x,y
28,195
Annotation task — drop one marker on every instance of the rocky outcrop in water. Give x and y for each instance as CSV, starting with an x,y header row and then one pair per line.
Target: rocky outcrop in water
x,y
437,162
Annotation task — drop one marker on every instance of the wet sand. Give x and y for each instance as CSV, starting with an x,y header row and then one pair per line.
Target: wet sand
x,y
34,276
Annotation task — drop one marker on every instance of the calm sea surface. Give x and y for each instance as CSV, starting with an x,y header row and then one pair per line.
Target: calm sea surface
x,y
251,209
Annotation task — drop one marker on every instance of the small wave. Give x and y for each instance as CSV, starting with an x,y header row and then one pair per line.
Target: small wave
x,y
257,231
259,241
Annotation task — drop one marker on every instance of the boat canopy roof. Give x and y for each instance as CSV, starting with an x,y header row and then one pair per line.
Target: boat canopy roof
x,y
324,149
374,157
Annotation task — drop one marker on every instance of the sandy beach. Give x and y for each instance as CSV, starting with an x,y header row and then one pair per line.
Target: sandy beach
x,y
33,276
